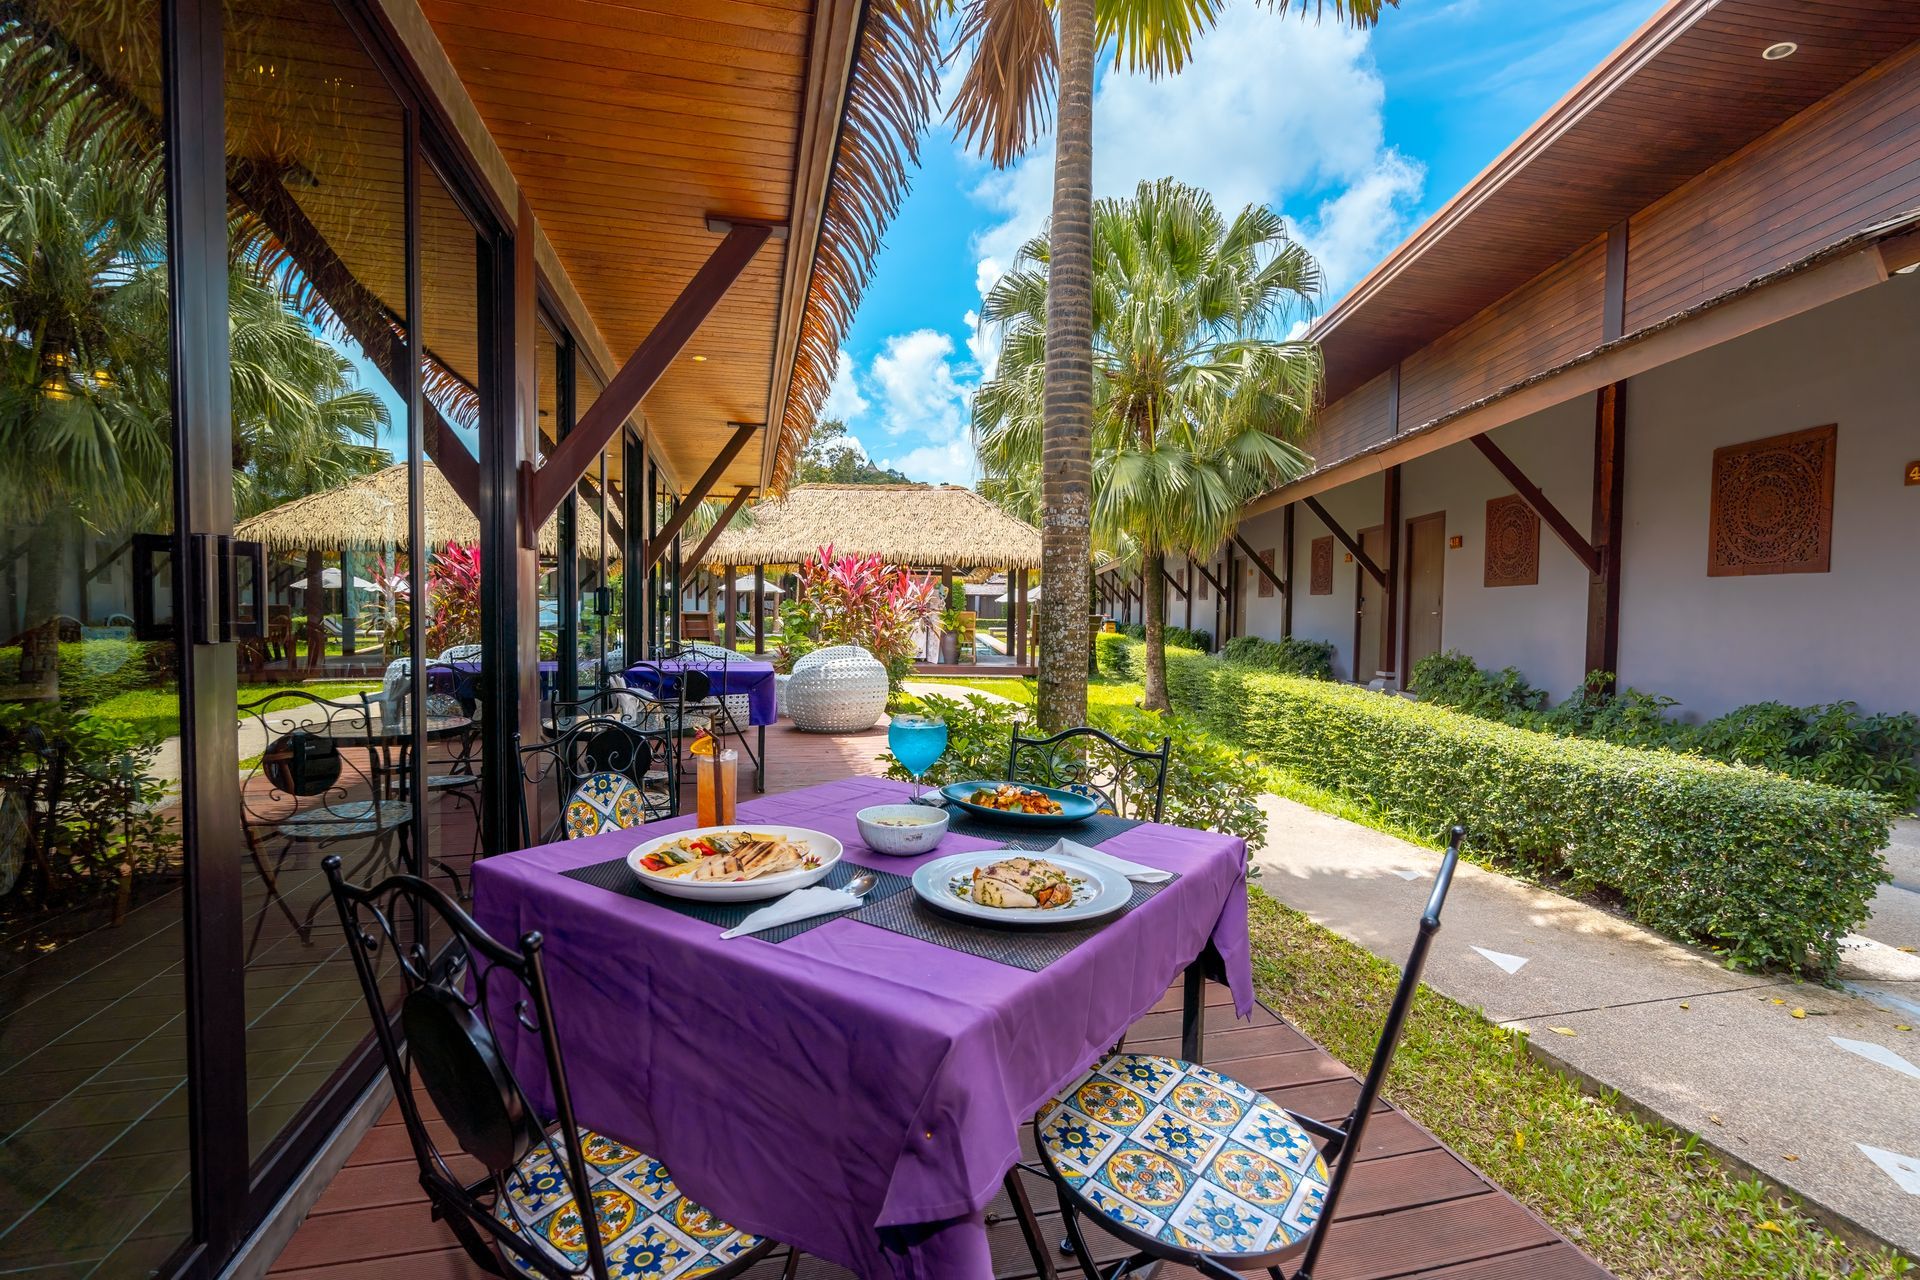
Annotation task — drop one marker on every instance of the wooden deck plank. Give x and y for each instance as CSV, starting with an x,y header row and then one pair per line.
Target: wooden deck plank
x,y
1414,1210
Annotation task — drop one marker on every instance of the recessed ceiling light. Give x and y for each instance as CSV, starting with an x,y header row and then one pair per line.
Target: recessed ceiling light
x,y
1776,52
699,359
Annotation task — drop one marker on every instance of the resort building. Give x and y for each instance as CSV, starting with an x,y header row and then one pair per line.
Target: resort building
x,y
1642,397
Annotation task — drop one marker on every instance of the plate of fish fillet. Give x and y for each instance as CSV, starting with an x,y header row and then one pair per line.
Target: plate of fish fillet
x,y
735,863
1009,887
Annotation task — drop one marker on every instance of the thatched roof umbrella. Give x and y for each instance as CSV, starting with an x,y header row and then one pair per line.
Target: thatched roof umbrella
x,y
917,526
370,514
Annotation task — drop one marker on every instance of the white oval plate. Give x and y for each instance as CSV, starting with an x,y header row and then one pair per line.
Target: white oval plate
x,y
824,847
1104,892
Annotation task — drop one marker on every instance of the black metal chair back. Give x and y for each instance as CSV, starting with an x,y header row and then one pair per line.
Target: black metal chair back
x,y
1342,1141
1128,781
596,768
451,994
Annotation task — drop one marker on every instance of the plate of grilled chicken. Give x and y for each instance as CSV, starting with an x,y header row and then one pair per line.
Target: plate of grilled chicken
x,y
1010,888
735,863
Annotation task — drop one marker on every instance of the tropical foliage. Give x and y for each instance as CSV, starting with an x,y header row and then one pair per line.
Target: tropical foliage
x,y
85,403
1017,60
858,600
1195,400
834,457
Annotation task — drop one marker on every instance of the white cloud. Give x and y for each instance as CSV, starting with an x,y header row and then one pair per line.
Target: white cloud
x,y
844,400
1278,111
920,391
950,463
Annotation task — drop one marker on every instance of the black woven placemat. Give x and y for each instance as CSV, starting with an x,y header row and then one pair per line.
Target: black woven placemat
x,y
1029,949
1016,835
616,876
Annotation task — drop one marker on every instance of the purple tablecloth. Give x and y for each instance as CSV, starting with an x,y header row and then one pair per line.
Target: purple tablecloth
x,y
750,676
853,1092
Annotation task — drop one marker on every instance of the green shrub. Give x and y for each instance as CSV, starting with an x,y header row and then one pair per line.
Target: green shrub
x,y
1182,638
1832,743
91,671
1767,868
1210,786
1290,657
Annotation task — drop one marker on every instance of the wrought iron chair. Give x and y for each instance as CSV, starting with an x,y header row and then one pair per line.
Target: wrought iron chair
x,y
598,769
323,779
460,780
523,1216
728,715
1214,1175
1124,780
651,717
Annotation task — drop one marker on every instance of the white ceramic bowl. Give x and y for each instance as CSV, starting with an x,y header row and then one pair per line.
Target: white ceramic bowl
x,y
928,830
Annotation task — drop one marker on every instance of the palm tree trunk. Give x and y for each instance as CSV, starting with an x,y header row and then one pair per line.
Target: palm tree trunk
x,y
1067,442
1156,607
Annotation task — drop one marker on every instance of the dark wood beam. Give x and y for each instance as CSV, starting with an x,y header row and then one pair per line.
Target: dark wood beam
x,y
1218,588
1609,498
600,423
1286,553
1345,539
1261,565
657,544
1530,494
1174,582
727,513
1390,506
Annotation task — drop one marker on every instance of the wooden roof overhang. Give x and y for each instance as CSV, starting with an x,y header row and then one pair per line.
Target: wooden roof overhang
x,y
1686,90
644,137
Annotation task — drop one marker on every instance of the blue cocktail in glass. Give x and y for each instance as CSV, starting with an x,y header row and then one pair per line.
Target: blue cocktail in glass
x,y
916,742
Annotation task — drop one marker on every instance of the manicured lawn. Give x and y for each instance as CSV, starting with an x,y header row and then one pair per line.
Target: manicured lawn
x,y
1646,1201
156,712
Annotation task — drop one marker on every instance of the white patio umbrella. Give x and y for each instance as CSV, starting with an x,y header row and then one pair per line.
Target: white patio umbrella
x,y
744,585
1033,593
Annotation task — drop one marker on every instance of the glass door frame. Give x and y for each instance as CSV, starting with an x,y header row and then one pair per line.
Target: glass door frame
x,y
232,1194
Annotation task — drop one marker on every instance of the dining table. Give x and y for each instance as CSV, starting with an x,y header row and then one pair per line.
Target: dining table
x,y
853,1086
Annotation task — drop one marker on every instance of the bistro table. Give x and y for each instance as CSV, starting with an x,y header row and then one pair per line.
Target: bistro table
x,y
853,1091
751,678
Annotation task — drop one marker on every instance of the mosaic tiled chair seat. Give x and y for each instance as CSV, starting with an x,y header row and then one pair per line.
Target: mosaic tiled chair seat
x,y
603,801
647,1227
1184,1156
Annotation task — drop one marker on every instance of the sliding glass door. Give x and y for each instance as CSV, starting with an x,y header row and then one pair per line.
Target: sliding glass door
x,y
244,391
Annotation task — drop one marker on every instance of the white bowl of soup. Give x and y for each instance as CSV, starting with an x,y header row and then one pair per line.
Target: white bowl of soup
x,y
902,830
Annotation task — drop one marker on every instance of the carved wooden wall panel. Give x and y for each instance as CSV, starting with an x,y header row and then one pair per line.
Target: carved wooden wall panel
x,y
1266,583
1322,584
1513,543
1772,505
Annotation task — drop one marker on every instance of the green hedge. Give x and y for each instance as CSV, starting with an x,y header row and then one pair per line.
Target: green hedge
x,y
1289,657
1767,868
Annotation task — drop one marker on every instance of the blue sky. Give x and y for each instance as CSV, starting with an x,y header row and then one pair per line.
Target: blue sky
x,y
1354,137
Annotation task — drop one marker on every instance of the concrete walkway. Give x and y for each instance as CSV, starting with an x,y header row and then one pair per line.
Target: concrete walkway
x,y
1826,1102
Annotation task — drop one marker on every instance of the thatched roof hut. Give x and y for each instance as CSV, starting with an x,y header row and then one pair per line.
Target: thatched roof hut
x,y
370,514
917,526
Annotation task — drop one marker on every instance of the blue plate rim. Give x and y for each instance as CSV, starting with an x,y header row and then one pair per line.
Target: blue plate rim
x,y
1026,819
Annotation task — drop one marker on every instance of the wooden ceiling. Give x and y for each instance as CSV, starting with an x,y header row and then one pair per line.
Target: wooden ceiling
x,y
1687,90
628,123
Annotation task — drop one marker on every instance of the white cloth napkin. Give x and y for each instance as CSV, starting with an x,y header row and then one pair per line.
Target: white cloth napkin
x,y
801,904
1131,870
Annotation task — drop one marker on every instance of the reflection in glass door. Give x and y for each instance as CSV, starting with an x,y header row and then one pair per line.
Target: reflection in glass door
x,y
316,147
94,1160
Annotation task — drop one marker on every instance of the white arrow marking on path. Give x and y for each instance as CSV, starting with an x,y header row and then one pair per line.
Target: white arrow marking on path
x,y
1904,1170
1878,1053
1511,964
1406,875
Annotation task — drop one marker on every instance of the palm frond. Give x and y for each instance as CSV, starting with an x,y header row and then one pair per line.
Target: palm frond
x,y
1005,99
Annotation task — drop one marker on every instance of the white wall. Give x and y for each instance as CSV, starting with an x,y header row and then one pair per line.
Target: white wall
x,y
1854,632
1713,643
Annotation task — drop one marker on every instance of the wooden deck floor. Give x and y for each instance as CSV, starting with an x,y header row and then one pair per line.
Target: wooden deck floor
x,y
1414,1208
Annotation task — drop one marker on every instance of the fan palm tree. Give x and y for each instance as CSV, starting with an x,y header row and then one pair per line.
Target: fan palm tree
x,y
1018,63
86,428
1195,403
